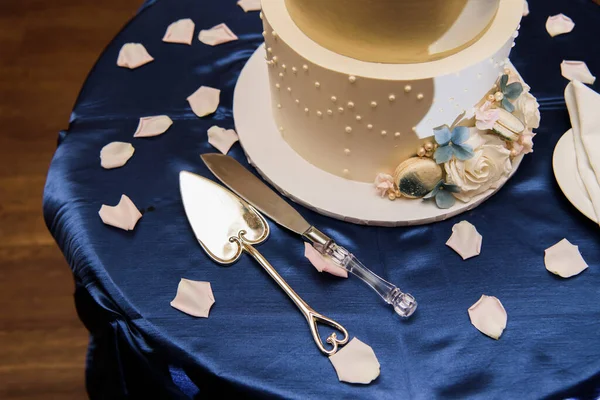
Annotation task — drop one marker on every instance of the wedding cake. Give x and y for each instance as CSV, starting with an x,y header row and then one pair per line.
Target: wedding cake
x,y
417,96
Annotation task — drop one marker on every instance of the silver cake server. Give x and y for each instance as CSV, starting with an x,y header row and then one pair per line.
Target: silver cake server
x,y
226,226
257,193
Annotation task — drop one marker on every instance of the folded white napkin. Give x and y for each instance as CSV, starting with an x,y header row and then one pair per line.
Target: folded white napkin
x,y
584,109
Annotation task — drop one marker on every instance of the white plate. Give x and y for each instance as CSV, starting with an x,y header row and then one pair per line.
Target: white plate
x,y
308,185
564,163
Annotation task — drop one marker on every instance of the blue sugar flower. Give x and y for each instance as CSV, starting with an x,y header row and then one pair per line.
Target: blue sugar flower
x,y
509,92
452,144
443,194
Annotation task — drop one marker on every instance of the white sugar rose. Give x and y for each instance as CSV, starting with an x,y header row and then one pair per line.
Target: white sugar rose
x,y
485,170
528,110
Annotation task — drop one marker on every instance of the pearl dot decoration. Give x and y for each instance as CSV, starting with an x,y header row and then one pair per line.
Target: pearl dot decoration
x,y
264,34
317,85
319,114
347,152
281,74
305,67
274,59
281,129
351,79
289,89
346,171
407,88
350,104
383,133
397,134
279,106
370,126
392,98
306,110
329,112
278,86
358,118
283,67
274,34
373,104
414,129
348,129
333,99
420,96
297,101
340,110
295,70
269,50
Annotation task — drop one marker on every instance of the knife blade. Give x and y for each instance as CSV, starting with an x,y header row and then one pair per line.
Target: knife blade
x,y
254,191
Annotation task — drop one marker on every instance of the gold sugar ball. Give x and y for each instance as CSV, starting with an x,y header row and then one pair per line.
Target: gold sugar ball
x,y
428,146
499,96
421,152
491,97
392,196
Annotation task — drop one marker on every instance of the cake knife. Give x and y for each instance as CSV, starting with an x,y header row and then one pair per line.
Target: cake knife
x,y
250,188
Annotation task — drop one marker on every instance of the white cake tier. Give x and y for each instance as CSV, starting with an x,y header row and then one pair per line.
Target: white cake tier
x,y
354,118
393,31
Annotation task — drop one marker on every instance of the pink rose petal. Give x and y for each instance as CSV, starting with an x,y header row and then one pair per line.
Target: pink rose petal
x,y
222,139
577,71
153,126
465,240
115,154
488,316
249,5
204,101
181,31
124,215
486,116
321,263
217,35
564,259
133,55
194,298
559,25
356,362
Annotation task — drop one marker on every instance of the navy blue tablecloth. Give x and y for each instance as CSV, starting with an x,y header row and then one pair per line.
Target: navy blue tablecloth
x,y
255,343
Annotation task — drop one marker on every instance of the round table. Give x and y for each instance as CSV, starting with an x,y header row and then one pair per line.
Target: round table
x,y
255,343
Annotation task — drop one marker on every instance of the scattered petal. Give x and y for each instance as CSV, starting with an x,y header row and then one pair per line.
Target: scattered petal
x,y
124,215
153,126
222,139
526,8
465,240
217,35
115,154
356,363
564,259
204,101
488,316
321,263
181,31
559,24
133,55
249,5
577,71
194,298
383,183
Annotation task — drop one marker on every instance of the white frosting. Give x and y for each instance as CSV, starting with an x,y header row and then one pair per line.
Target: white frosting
x,y
405,100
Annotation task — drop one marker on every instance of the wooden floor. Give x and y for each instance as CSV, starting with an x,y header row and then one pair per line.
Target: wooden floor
x,y
47,48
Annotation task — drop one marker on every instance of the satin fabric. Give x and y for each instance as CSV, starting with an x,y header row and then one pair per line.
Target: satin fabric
x,y
256,343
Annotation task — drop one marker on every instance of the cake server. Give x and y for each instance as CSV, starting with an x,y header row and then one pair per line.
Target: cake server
x,y
226,226
257,193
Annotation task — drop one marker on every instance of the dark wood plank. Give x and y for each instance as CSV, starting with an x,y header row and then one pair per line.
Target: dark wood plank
x,y
46,51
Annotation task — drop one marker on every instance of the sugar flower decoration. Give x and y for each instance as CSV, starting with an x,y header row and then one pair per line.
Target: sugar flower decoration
x,y
524,145
181,31
443,194
124,215
488,316
487,168
452,143
577,71
383,183
559,25
564,259
465,240
116,154
204,101
217,35
222,139
486,116
249,5
133,55
321,263
508,92
356,363
194,298
153,126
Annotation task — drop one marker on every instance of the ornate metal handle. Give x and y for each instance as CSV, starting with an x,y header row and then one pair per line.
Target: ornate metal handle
x,y
312,317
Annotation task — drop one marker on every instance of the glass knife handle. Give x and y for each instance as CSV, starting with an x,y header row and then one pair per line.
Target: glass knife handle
x,y
404,303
